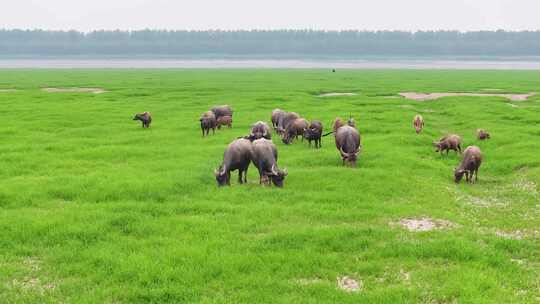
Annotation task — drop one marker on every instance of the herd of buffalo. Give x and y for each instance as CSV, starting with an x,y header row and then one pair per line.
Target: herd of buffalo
x,y
258,148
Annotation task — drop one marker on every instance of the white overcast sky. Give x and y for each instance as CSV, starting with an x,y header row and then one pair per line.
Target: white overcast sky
x,y
86,15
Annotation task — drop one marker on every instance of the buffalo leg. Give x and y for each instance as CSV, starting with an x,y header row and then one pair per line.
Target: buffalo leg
x,y
240,176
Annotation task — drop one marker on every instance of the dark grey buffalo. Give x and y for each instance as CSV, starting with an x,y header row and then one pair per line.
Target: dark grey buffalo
x,y
294,129
447,143
348,144
145,118
314,133
265,157
260,129
208,121
472,159
224,110
237,156
277,118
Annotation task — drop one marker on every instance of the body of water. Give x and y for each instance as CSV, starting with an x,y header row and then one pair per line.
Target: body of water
x,y
266,63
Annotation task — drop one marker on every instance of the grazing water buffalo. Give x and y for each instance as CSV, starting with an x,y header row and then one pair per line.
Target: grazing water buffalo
x,y
260,129
482,134
224,110
314,132
294,129
472,159
145,118
224,121
277,118
348,144
418,123
208,121
265,157
448,142
288,119
237,156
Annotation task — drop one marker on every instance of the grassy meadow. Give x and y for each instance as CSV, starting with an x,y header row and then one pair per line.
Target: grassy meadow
x,y
95,209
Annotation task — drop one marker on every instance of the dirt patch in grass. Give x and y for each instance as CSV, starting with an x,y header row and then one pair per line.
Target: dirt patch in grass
x,y
74,90
433,96
349,284
335,94
425,224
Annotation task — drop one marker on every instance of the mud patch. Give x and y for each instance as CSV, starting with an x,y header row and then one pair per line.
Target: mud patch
x,y
512,235
425,224
349,284
74,90
434,96
335,94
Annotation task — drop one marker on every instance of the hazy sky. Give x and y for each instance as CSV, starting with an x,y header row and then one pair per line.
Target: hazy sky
x,y
88,15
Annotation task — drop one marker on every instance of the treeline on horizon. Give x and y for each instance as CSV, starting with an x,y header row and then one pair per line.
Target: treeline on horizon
x,y
269,42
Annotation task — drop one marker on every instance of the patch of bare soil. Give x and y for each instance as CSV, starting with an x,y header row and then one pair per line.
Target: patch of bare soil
x,y
425,224
349,284
334,94
434,96
74,90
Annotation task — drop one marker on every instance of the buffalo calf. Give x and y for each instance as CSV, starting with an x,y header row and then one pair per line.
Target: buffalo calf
x,y
145,118
472,159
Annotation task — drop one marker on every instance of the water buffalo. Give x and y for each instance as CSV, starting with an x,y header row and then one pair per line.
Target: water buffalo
x,y
260,129
294,129
237,156
447,143
265,157
224,110
277,118
145,118
472,159
482,134
288,118
418,123
338,123
224,121
348,144
208,121
314,132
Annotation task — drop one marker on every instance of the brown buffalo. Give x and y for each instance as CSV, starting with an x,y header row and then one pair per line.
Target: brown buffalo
x,y
265,157
418,123
224,110
237,156
224,121
348,144
288,119
294,129
208,121
482,134
447,143
145,118
314,132
472,159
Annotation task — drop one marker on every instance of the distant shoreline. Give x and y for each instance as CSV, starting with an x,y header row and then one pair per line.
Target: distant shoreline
x,y
171,63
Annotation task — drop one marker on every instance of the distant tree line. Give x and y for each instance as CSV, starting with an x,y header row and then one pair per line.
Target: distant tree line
x,y
285,43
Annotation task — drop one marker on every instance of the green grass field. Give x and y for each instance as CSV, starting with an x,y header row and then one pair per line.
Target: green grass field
x,y
95,209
